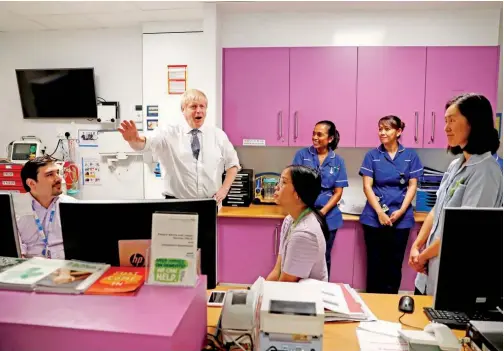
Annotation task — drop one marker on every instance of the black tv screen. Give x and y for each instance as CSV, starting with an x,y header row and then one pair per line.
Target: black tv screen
x,y
57,93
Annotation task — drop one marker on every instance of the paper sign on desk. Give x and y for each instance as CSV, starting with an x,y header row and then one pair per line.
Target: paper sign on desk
x,y
173,253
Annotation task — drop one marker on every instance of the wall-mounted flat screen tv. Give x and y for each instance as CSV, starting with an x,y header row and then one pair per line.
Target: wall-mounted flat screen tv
x,y
57,93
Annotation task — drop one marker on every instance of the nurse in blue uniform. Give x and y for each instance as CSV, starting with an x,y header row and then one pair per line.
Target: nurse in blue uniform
x,y
498,159
390,174
321,156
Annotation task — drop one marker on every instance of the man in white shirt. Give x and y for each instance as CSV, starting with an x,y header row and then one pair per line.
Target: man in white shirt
x,y
193,156
37,211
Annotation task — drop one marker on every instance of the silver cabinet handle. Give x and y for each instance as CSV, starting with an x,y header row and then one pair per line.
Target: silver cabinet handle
x,y
296,126
276,240
280,126
416,127
433,126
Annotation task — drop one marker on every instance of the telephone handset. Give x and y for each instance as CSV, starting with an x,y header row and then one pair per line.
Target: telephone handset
x,y
437,335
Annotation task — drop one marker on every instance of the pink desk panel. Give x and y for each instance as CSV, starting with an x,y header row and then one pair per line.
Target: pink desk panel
x,y
157,318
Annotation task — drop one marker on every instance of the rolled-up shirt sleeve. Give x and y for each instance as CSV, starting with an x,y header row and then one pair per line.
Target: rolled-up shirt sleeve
x,y
228,152
301,255
155,141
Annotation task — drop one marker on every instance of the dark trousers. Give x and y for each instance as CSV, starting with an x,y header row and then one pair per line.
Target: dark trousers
x,y
418,292
329,245
385,248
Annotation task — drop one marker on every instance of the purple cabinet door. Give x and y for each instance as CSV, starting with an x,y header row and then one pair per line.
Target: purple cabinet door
x,y
342,255
256,95
360,259
408,273
323,83
391,81
247,248
450,72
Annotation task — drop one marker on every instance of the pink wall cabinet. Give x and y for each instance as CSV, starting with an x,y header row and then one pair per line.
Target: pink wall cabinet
x,y
256,95
450,72
391,81
247,249
342,254
323,82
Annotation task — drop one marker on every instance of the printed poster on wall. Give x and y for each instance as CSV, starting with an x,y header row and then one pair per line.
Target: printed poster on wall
x,y
88,138
152,110
177,79
152,123
91,171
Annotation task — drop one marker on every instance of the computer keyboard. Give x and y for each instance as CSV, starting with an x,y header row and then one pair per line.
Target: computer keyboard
x,y
458,320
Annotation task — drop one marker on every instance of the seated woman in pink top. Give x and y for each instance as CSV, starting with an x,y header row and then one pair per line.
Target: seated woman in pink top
x,y
304,230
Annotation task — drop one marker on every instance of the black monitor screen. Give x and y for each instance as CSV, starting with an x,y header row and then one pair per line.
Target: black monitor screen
x,y
57,93
9,241
470,267
92,229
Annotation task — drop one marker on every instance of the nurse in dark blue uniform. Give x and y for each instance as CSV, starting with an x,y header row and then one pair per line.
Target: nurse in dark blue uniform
x,y
498,159
389,175
331,166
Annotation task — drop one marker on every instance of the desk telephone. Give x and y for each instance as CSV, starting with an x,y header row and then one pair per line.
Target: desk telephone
x,y
434,337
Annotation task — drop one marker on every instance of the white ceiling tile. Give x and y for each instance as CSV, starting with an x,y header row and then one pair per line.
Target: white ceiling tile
x,y
19,25
29,8
167,5
10,22
66,21
114,20
147,16
172,15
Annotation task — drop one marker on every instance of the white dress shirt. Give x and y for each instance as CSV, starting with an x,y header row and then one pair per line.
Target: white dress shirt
x,y
30,240
184,176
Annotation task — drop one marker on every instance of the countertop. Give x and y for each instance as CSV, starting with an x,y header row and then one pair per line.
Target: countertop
x,y
275,212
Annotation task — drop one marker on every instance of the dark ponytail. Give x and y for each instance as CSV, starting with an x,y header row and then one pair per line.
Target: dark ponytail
x,y
332,132
308,184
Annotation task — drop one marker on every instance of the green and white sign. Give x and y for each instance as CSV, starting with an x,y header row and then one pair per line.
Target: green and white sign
x,y
173,253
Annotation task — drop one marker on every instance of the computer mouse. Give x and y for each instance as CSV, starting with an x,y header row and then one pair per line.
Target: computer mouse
x,y
407,304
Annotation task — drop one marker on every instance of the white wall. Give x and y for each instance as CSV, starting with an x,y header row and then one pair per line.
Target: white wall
x,y
402,28
160,50
115,54
355,28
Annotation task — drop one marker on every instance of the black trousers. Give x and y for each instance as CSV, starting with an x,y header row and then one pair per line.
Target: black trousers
x,y
418,292
385,248
329,245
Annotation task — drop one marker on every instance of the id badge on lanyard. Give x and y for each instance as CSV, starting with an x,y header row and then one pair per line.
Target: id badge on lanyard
x,y
40,228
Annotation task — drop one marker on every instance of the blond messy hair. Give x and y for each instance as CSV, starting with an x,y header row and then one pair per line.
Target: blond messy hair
x,y
191,95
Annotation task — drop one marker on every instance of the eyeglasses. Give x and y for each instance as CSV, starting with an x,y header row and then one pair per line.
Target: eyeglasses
x,y
281,183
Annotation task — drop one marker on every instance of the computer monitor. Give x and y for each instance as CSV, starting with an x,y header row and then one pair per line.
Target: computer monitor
x,y
470,261
92,229
9,239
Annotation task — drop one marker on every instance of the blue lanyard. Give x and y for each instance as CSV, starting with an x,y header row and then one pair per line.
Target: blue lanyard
x,y
40,228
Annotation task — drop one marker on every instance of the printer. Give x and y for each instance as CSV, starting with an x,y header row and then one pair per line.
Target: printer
x,y
291,317
238,315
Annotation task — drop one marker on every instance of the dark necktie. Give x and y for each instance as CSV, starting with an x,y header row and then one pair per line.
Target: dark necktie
x,y
195,145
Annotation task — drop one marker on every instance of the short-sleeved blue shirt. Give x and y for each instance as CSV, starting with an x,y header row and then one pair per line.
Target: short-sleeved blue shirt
x,y
333,174
390,182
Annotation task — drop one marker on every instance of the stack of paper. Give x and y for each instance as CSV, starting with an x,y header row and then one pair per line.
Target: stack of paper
x,y
341,302
380,336
45,275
